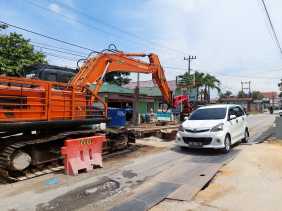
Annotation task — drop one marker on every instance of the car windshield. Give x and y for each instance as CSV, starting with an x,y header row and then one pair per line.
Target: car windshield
x,y
208,114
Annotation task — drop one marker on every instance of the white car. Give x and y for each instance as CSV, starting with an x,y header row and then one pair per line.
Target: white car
x,y
216,126
280,112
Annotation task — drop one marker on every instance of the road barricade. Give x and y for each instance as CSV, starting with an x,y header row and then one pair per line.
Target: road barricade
x,y
82,154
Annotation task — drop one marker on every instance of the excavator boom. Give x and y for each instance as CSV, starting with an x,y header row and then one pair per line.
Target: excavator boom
x,y
94,70
29,100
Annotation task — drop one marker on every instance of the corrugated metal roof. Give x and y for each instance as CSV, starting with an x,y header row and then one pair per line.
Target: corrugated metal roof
x,y
113,88
150,91
270,94
150,83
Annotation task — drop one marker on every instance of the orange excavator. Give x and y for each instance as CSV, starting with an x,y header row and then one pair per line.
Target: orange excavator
x,y
36,116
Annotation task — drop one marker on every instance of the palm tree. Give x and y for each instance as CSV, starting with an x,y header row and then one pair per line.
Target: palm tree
x,y
210,82
199,82
186,79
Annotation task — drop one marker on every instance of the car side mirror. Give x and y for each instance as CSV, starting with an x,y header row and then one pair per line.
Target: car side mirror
x,y
232,117
186,118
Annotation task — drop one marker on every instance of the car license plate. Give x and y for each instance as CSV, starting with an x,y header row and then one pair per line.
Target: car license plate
x,y
195,144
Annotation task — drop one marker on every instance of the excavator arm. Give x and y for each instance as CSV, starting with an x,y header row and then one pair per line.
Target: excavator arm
x,y
95,69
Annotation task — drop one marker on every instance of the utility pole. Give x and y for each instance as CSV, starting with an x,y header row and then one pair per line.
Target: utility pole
x,y
246,85
135,103
189,62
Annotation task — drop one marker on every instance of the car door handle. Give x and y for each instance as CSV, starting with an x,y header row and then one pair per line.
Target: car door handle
x,y
237,120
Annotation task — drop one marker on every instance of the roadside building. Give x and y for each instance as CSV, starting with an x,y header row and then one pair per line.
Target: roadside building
x,y
150,98
270,99
147,85
120,97
247,103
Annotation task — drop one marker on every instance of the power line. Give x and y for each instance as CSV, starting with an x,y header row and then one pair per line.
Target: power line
x,y
245,76
136,36
56,47
272,27
59,51
59,56
222,74
48,37
85,48
69,18
189,62
246,85
104,23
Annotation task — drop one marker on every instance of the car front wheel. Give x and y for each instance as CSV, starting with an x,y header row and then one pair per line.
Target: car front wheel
x,y
246,136
227,144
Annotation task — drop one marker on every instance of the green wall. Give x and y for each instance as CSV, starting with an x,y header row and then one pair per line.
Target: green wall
x,y
156,105
142,107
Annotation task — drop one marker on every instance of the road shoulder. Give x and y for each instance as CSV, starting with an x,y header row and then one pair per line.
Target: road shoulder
x,y
252,181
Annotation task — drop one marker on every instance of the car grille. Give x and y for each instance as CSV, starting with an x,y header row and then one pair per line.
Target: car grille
x,y
196,130
203,141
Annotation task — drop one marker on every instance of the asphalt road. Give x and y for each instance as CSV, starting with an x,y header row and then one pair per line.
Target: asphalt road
x,y
136,185
260,126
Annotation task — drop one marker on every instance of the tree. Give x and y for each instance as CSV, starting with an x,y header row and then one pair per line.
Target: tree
x,y
16,52
186,79
210,82
256,95
241,94
226,94
199,81
194,80
207,81
117,78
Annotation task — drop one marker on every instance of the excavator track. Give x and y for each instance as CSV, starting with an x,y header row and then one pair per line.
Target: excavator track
x,y
50,168
8,152
6,158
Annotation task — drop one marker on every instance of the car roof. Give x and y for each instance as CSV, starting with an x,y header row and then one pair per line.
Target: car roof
x,y
219,106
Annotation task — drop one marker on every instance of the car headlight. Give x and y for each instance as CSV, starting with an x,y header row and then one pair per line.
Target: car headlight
x,y
217,128
181,128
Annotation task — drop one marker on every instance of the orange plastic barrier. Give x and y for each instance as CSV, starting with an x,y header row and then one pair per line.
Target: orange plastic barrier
x,y
82,153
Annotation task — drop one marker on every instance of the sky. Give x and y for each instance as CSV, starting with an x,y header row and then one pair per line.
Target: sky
x,y
231,38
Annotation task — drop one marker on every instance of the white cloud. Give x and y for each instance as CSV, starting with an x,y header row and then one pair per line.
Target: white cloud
x,y
67,15
55,8
229,37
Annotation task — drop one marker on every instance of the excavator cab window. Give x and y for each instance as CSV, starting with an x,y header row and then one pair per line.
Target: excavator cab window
x,y
52,77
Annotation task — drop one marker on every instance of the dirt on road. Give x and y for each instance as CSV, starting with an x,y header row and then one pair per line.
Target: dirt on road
x,y
252,181
47,187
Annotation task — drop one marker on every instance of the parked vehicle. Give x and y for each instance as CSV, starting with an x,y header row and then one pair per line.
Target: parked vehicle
x,y
216,126
271,110
280,112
